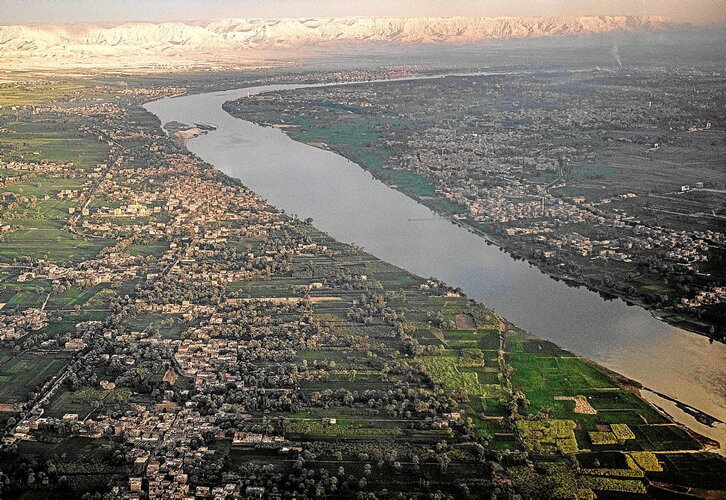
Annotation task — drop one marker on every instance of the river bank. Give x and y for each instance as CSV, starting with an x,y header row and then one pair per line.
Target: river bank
x,y
667,315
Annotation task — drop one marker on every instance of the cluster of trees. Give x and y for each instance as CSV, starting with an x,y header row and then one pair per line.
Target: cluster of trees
x,y
371,306
19,475
172,290
436,319
517,406
210,257
402,399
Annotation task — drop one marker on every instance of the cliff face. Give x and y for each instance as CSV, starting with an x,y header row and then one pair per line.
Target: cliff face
x,y
217,41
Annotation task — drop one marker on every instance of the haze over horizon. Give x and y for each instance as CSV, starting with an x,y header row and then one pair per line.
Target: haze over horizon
x,y
74,11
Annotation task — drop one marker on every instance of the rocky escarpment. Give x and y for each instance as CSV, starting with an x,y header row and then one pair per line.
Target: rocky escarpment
x,y
138,44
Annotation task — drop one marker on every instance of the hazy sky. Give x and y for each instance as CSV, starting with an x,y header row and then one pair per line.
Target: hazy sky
x,y
28,11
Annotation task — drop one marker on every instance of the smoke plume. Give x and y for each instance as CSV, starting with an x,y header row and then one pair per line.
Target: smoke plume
x,y
615,52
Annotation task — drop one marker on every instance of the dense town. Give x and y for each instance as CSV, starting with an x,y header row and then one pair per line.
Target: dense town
x,y
580,174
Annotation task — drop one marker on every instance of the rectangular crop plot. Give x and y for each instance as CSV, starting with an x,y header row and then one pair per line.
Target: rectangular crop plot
x,y
53,244
446,370
700,470
623,402
550,436
22,374
664,438
544,377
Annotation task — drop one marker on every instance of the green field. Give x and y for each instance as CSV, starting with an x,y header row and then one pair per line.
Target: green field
x,y
548,436
156,248
343,428
356,138
52,140
451,372
84,401
22,374
28,95
43,185
54,244
541,377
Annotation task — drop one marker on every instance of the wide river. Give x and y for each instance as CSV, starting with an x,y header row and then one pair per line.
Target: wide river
x,y
349,204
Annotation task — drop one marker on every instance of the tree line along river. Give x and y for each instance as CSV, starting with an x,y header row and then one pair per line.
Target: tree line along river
x,y
352,206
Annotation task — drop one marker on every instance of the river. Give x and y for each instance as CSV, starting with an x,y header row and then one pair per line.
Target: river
x,y
352,206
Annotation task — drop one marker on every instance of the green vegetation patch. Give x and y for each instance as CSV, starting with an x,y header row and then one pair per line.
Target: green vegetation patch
x,y
622,432
542,377
646,460
53,244
624,406
613,484
342,428
548,436
446,371
86,400
664,438
112,396
602,438
42,186
357,139
410,182
53,140
24,373
156,248
30,95
594,172
73,297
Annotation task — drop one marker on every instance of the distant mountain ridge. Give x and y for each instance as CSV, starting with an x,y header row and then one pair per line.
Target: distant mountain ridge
x,y
88,44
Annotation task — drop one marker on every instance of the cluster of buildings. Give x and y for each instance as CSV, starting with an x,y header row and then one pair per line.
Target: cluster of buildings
x,y
193,220
717,295
14,326
105,109
165,426
21,171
